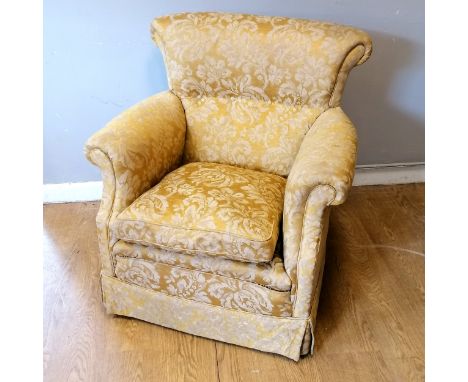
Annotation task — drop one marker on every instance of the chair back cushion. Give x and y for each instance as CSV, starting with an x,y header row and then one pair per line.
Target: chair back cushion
x,y
251,85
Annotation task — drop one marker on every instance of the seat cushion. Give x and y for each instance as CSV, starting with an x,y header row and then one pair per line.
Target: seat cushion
x,y
211,209
272,274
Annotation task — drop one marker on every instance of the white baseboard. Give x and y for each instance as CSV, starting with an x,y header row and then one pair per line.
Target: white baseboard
x,y
398,173
72,192
395,173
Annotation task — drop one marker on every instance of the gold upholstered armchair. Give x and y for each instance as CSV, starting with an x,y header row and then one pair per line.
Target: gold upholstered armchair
x,y
217,192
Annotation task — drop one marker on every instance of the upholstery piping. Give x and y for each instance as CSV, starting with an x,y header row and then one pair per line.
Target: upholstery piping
x,y
302,234
190,251
163,51
205,230
341,68
111,211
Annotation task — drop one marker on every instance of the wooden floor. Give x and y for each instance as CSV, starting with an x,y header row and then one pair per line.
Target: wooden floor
x,y
370,324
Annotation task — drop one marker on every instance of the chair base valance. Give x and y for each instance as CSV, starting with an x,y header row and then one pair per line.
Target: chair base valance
x,y
280,335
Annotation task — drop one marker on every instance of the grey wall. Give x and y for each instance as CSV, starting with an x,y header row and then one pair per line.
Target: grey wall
x,y
99,59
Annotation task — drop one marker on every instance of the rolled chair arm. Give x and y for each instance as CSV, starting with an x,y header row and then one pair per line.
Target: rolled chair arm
x,y
322,175
134,151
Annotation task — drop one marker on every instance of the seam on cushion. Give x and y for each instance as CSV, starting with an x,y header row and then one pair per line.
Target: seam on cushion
x,y
190,251
119,256
272,267
302,236
206,303
111,259
201,229
179,251
207,273
123,255
341,67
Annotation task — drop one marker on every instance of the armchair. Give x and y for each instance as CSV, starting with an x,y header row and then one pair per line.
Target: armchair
x,y
217,193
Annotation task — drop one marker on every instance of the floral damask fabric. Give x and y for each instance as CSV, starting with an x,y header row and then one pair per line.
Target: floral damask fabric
x,y
271,274
211,209
281,335
321,175
204,287
277,59
134,151
249,133
252,86
196,252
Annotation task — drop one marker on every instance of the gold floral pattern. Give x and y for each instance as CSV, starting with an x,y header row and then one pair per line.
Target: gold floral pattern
x,y
134,151
322,175
204,287
252,86
281,335
261,93
271,274
277,59
208,208
247,133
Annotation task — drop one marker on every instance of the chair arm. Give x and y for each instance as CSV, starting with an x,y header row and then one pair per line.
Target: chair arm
x,y
321,175
134,151
327,156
